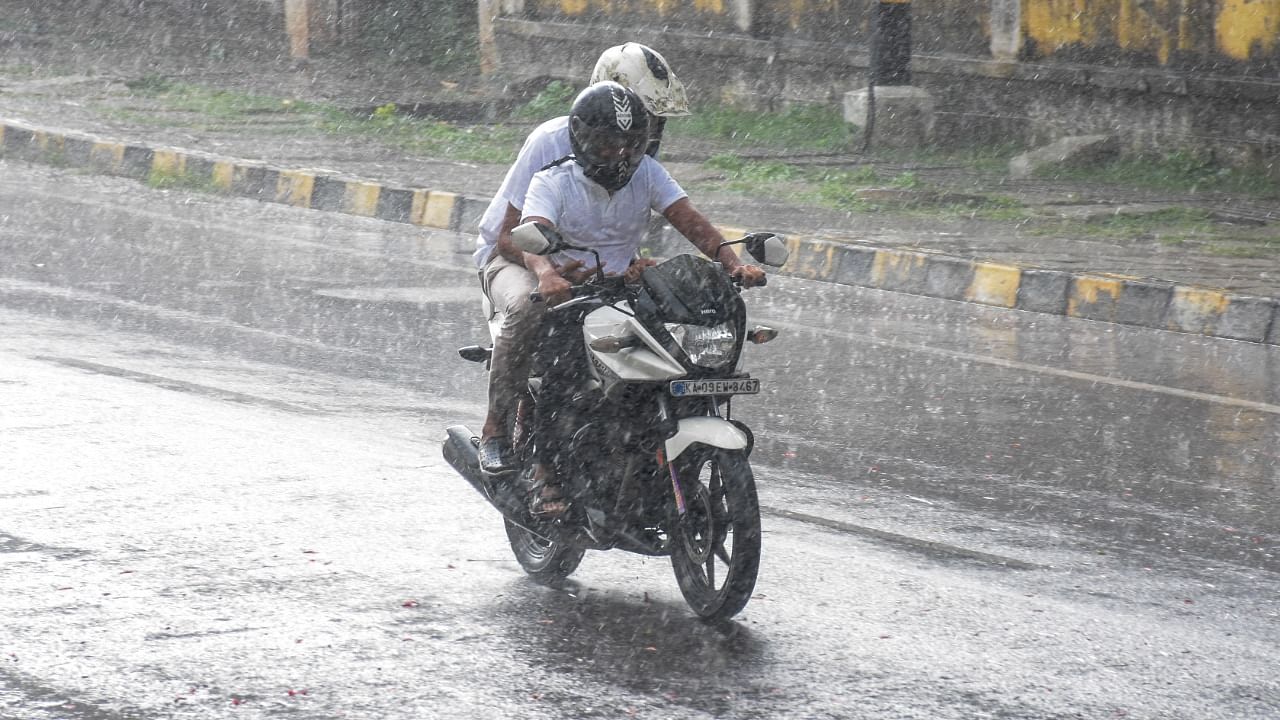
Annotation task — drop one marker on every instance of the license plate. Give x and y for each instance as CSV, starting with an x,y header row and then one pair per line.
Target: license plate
x,y
738,386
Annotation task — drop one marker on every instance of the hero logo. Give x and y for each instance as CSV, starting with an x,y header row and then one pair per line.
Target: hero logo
x,y
622,111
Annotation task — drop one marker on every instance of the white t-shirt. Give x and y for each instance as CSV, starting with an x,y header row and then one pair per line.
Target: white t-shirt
x,y
586,214
546,144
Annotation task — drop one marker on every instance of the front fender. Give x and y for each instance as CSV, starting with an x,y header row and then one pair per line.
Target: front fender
x,y
713,431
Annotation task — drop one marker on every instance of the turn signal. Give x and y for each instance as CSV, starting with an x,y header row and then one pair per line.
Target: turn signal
x,y
762,334
611,344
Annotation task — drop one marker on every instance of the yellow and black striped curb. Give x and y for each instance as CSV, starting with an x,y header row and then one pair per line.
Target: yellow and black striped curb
x,y
1093,296
314,189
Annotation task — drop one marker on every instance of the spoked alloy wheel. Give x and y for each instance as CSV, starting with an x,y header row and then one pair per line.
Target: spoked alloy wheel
x,y
715,549
548,561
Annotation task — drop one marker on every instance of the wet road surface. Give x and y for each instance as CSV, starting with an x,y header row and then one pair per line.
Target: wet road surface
x,y
220,482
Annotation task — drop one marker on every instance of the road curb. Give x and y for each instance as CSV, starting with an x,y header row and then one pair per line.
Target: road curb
x,y
1098,296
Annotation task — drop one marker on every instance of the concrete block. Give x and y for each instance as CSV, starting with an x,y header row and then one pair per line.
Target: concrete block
x,y
136,162
900,271
467,214
78,152
904,115
1065,152
438,211
1143,303
1213,312
395,205
252,181
17,141
327,192
948,277
853,265
199,168
994,284
295,187
1247,319
1119,300
360,197
1273,335
813,259
1043,291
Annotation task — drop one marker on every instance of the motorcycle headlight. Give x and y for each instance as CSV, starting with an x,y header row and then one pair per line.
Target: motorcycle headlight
x,y
708,347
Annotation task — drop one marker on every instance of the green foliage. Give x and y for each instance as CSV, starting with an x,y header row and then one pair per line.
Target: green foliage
x,y
800,127
906,181
150,85
1256,249
186,181
211,102
554,100
424,136
736,169
982,158
1178,171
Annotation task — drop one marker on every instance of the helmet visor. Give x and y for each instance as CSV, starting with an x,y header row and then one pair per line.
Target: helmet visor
x,y
608,147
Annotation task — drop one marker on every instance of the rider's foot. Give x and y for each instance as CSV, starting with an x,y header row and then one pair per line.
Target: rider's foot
x,y
496,456
546,497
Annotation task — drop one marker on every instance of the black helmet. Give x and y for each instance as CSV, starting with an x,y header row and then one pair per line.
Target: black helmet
x,y
609,133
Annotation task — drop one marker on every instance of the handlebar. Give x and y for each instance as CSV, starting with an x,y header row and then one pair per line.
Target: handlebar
x,y
586,289
764,280
616,283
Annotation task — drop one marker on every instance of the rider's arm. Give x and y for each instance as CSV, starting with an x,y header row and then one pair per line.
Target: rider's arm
x,y
505,248
686,219
547,143
553,287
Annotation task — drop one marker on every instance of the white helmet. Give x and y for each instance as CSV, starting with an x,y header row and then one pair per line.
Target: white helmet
x,y
644,71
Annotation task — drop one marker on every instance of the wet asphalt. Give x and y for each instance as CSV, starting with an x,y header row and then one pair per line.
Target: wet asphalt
x,y
227,415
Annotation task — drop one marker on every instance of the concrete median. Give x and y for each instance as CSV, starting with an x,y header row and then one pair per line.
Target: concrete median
x,y
1096,296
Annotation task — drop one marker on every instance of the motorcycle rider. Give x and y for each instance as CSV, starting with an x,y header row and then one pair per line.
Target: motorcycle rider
x,y
601,197
503,276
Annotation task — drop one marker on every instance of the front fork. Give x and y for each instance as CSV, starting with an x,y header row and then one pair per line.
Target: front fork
x,y
710,430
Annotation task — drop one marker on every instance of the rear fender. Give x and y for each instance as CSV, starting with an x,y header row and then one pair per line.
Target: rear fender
x,y
712,431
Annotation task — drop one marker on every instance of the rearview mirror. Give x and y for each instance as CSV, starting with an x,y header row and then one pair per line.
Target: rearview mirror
x,y
768,249
536,238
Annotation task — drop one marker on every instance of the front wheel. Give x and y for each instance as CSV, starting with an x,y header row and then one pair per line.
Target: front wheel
x,y
715,547
547,560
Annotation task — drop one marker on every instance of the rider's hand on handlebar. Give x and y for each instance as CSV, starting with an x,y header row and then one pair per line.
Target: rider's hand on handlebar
x,y
575,272
750,275
632,274
554,288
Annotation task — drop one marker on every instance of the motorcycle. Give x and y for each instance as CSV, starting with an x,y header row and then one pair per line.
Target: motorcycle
x,y
649,455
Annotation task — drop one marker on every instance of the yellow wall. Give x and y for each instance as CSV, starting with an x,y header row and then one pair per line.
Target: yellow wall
x,y
1242,23
1239,29
1246,30
660,8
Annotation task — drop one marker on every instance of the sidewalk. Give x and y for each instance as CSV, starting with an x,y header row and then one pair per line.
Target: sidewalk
x,y
1146,282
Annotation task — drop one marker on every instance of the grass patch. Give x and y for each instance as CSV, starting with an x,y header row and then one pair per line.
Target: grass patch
x,y
992,158
801,127
160,180
553,101
24,70
210,102
422,136
1179,172
1240,248
1174,226
425,136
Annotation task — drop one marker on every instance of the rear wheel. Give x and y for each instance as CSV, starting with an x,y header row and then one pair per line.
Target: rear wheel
x,y
715,547
546,559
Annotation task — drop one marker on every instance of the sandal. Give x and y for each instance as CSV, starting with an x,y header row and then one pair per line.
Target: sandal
x,y
547,500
